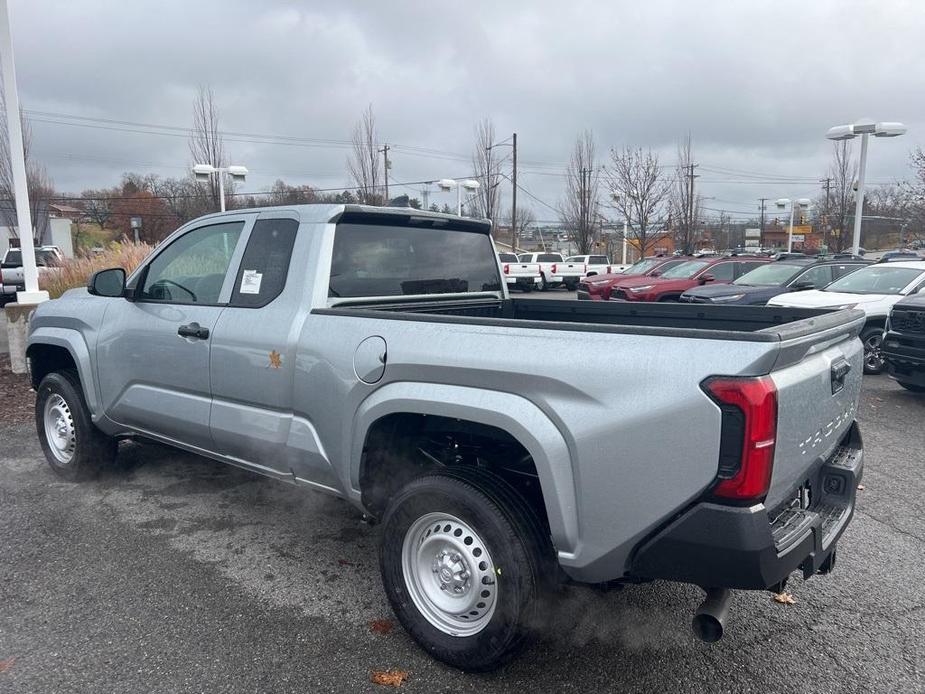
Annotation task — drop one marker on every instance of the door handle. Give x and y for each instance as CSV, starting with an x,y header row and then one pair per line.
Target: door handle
x,y
193,330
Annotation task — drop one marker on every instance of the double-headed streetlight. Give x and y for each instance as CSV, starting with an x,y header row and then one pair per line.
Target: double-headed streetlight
x,y
783,204
205,171
447,184
863,127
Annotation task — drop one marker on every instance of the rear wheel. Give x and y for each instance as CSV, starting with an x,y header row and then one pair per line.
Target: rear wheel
x,y
74,448
571,286
912,387
463,561
544,285
872,338
527,288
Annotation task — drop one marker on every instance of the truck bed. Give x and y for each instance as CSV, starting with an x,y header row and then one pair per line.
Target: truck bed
x,y
753,323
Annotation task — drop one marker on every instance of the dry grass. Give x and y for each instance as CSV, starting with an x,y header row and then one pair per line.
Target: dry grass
x,y
74,272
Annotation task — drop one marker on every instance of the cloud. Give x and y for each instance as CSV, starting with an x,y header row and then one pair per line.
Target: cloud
x,y
756,84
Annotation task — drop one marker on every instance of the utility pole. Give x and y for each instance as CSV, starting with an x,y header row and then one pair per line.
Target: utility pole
x,y
690,207
827,181
761,218
514,200
385,154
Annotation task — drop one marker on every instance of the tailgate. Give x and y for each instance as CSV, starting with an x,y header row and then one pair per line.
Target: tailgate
x,y
818,387
524,270
569,269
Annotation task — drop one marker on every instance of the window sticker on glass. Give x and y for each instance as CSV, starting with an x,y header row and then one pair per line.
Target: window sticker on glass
x,y
250,282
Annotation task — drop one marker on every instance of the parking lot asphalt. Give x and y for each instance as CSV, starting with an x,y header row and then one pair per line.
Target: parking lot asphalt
x,y
174,573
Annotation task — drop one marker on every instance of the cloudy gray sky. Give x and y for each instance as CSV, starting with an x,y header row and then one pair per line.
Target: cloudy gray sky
x,y
756,83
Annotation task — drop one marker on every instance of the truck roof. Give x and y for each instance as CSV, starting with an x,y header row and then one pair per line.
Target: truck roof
x,y
324,213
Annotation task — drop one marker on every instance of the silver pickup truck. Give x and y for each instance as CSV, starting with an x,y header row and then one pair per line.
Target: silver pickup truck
x,y
374,354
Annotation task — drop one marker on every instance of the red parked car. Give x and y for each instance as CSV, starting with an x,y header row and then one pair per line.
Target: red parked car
x,y
597,288
672,283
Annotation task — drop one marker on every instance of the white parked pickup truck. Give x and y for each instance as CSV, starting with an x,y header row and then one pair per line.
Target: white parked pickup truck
x,y
594,264
554,270
518,275
11,272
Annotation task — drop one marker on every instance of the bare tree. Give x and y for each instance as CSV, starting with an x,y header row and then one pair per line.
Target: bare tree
x,y
842,172
525,218
684,204
97,206
38,184
914,192
579,210
363,162
487,166
206,145
640,191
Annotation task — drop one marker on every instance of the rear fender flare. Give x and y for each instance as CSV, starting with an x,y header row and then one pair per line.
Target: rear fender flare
x,y
512,413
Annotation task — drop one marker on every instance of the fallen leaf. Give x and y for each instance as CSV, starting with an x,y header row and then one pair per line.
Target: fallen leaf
x,y
785,599
860,487
7,664
388,678
381,626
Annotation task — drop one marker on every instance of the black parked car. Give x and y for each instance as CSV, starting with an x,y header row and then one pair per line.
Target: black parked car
x,y
755,288
903,346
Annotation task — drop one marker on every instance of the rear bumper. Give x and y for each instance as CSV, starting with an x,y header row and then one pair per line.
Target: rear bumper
x,y
722,546
523,281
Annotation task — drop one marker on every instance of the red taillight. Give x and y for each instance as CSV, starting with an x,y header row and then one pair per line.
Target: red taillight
x,y
753,433
554,268
507,269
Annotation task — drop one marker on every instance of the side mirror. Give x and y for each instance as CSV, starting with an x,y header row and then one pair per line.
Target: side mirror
x,y
707,278
800,286
109,282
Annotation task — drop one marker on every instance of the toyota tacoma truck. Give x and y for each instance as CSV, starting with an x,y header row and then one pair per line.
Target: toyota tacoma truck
x,y
523,276
554,271
375,354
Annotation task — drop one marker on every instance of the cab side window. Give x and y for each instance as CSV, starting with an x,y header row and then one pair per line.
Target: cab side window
x,y
819,276
192,269
262,275
722,272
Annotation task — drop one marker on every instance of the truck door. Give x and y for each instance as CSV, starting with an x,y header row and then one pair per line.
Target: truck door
x,y
153,352
255,362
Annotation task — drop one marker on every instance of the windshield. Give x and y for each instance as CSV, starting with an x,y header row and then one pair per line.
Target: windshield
x,y
685,270
770,275
641,267
875,280
379,260
549,258
42,258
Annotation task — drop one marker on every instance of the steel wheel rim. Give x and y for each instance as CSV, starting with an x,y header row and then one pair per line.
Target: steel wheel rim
x,y
449,574
872,355
59,429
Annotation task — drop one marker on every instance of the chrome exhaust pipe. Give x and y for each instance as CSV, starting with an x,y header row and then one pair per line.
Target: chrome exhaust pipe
x,y
710,617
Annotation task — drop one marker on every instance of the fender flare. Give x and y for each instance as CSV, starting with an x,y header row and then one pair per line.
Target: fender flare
x,y
512,413
73,342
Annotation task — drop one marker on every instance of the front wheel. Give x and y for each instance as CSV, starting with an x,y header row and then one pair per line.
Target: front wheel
x,y
74,448
912,387
872,338
461,562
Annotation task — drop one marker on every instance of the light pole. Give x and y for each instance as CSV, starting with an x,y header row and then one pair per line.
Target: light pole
x,y
204,173
782,204
626,222
447,184
864,128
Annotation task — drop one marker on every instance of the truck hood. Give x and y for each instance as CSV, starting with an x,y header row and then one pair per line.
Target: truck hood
x,y
708,291
816,298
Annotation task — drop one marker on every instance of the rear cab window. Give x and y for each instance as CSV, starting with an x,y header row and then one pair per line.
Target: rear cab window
x,y
376,259
507,258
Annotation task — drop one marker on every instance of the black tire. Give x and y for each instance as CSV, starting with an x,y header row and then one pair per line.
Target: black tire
x,y
544,285
912,387
872,338
91,449
571,286
513,538
528,288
